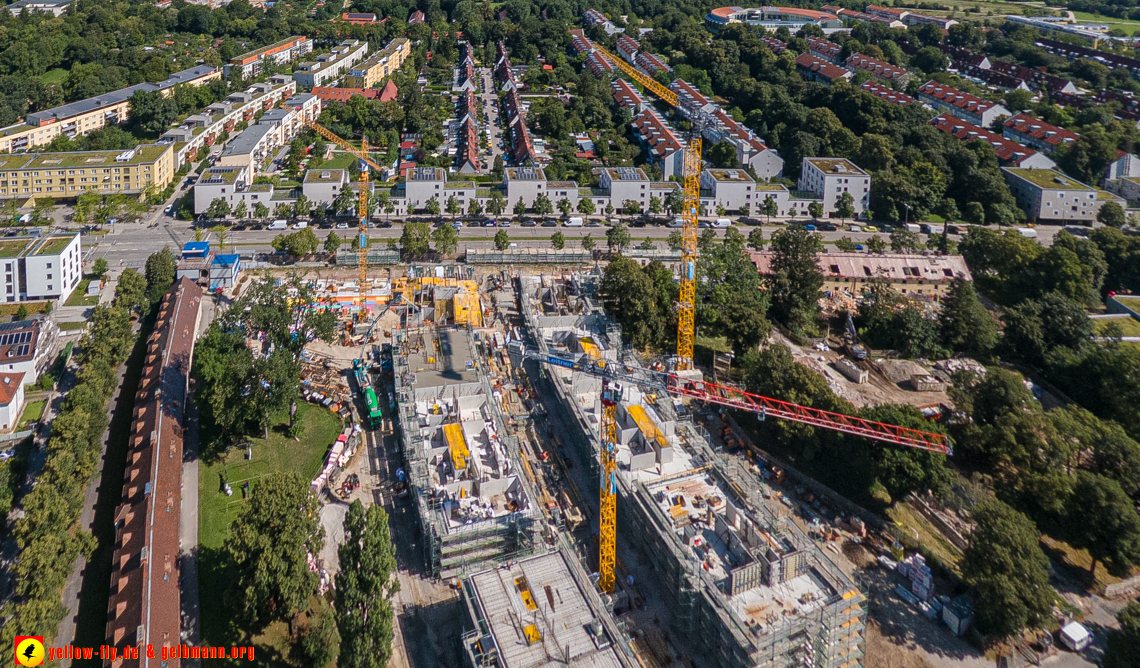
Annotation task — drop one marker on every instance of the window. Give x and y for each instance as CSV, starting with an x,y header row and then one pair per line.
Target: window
x,y
835,269
49,277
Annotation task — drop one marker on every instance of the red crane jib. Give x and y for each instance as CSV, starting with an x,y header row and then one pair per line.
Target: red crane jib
x,y
755,403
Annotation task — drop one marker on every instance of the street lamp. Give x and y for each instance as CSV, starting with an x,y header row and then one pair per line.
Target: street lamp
x,y
906,216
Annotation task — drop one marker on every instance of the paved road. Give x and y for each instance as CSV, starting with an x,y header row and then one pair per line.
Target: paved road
x,y
491,109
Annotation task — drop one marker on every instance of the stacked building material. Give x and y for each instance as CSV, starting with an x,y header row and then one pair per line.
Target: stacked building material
x,y
914,568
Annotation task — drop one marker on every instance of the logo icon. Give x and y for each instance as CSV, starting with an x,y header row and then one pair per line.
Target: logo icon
x,y
29,650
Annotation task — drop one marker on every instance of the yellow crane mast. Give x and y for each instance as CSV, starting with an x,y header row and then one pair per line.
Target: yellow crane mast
x,y
686,326
362,205
686,321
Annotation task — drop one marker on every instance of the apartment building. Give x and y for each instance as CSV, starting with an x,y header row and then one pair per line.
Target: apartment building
x,y
878,68
380,64
829,178
1034,132
27,347
255,62
627,48
887,12
942,23
204,129
825,49
1048,195
329,66
1008,151
67,175
886,94
322,186
39,268
53,7
276,128
852,15
95,113
733,189
926,276
661,141
231,184
813,68
963,105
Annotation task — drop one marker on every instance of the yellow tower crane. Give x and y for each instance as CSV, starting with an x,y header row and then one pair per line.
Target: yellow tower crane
x,y
612,392
686,320
362,205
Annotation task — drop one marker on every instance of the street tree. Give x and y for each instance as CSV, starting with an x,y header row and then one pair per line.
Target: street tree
x,y
520,208
496,206
770,208
283,210
241,210
609,208
160,271
415,240
333,243
431,207
344,201
1005,565
221,232
382,202
99,267
630,207
655,206
543,205
795,279
905,241
875,244
268,546
617,238
43,209
815,210
474,209
720,210
302,207
82,213
446,239
586,206
587,243
365,584
453,209
502,240
320,643
218,209
647,245
675,241
558,240
844,244
260,210
1111,214
756,239
130,291
565,207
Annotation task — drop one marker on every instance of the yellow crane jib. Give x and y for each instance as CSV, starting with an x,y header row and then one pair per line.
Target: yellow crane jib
x,y
651,84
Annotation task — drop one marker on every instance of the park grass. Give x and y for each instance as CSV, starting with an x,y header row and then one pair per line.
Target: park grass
x,y
33,308
1077,563
33,411
1128,326
1127,26
279,453
216,512
79,296
339,161
54,76
72,326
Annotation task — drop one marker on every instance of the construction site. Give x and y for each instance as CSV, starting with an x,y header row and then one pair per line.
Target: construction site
x,y
501,381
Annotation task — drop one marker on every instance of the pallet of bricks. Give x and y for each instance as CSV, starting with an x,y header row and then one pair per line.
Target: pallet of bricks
x,y
325,386
914,568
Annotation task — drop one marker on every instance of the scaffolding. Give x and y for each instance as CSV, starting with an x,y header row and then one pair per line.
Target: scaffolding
x,y
826,633
541,256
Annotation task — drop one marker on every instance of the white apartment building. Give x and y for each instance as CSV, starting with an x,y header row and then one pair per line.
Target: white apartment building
x,y
231,184
329,66
26,347
525,183
257,61
829,178
322,186
40,268
733,189
1048,195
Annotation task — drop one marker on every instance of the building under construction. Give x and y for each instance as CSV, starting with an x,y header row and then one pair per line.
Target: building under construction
x,y
744,583
540,611
476,508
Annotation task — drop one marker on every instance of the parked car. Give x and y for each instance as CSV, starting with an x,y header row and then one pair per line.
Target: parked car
x,y
237,228
490,222
827,227
809,227
593,223
550,223
530,223
342,226
504,223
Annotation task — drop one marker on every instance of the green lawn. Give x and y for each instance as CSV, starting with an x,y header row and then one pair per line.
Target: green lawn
x,y
216,512
55,76
71,326
32,413
79,296
279,453
1129,27
339,161
1128,326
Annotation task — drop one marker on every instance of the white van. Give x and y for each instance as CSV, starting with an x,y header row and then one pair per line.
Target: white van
x,y
676,222
854,228
722,223
911,227
1027,232
300,225
278,225
574,222
26,218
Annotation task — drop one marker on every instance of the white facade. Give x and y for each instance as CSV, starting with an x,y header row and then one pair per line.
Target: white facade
x,y
47,268
332,65
231,184
422,184
253,63
525,183
11,399
829,178
322,186
731,188
1045,194
626,183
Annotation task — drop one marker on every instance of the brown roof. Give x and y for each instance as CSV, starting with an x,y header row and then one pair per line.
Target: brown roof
x,y
145,596
863,266
18,341
9,386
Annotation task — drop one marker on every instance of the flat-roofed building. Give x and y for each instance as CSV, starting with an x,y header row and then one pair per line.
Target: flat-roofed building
x,y
626,183
829,178
255,62
422,184
525,183
551,600
81,117
733,189
329,66
68,175
322,186
53,7
772,17
911,275
39,268
1048,195
380,64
